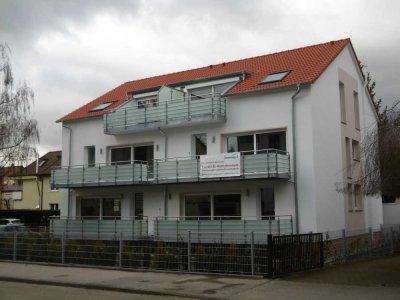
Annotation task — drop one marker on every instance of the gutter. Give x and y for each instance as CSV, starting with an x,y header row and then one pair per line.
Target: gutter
x,y
296,200
69,204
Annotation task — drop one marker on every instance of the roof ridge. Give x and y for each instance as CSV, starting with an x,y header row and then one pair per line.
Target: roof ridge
x,y
234,61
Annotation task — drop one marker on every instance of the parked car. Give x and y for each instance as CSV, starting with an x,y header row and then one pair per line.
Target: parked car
x,y
11,225
10,222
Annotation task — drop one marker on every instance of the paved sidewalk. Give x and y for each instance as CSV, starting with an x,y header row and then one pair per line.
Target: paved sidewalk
x,y
198,286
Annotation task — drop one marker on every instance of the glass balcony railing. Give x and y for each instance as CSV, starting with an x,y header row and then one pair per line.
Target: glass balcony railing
x,y
268,163
221,229
176,112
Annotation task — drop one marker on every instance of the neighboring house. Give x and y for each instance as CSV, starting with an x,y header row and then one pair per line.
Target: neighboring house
x,y
10,186
37,192
262,140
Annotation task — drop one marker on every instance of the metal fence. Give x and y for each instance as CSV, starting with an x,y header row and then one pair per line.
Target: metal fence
x,y
259,256
345,246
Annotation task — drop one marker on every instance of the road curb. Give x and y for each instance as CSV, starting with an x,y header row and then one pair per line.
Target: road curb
x,y
105,288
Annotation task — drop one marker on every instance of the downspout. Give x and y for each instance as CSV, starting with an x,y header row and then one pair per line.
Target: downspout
x,y
37,182
41,194
296,201
69,164
165,157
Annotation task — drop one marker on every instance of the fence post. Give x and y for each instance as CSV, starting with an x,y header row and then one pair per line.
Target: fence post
x,y
344,250
252,253
370,240
270,256
15,246
63,248
120,250
189,253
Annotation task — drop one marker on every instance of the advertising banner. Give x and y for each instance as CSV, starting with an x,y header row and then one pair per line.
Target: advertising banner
x,y
220,165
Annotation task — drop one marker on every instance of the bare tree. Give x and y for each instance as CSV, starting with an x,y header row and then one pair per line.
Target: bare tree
x,y
18,130
381,155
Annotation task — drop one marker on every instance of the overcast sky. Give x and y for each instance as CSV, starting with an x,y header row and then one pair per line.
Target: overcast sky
x,y
70,52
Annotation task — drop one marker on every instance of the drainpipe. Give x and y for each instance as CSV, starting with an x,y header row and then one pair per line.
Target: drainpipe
x,y
165,157
296,201
37,182
69,164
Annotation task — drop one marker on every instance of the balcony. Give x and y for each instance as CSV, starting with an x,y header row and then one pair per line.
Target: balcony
x,y
165,111
269,163
221,229
94,228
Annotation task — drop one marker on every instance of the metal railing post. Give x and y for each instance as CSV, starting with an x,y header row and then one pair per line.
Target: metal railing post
x,y
166,113
212,107
120,250
189,253
279,226
276,163
145,116
188,111
220,229
63,248
15,246
252,253
125,118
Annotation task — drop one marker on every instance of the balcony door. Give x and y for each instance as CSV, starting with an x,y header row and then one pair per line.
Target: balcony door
x,y
100,207
267,202
125,155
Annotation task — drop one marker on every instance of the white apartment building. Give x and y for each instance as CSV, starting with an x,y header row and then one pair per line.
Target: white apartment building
x,y
269,143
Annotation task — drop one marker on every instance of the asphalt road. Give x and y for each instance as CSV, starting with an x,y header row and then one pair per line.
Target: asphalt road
x,y
24,291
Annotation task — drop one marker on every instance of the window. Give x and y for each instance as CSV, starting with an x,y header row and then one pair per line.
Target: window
x,y
126,155
274,77
210,91
51,188
350,199
90,156
145,102
106,207
111,207
42,162
199,144
227,206
138,213
102,106
348,158
121,155
267,202
356,150
254,143
342,103
198,206
53,206
358,205
356,111
90,207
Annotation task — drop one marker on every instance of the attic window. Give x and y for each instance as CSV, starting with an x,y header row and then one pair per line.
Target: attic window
x,y
41,163
102,106
275,77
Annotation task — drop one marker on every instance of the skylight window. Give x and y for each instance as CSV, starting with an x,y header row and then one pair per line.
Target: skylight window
x,y
102,106
275,77
41,163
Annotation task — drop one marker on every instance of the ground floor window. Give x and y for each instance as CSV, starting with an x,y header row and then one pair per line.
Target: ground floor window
x,y
100,207
53,206
212,206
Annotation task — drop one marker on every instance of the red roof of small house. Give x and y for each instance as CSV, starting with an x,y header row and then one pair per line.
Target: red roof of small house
x,y
305,66
45,164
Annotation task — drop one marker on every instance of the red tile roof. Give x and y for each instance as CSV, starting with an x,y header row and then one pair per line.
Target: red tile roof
x,y
46,163
306,65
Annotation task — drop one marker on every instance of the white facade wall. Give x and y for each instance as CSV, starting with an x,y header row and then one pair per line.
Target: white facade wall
x,y
327,142
318,148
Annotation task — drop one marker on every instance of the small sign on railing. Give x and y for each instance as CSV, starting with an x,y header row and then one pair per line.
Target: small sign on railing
x,y
220,165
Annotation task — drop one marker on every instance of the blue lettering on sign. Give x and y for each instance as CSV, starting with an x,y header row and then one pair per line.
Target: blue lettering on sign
x,y
231,156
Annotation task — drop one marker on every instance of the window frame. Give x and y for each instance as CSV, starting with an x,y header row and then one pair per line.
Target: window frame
x,y
212,206
273,77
